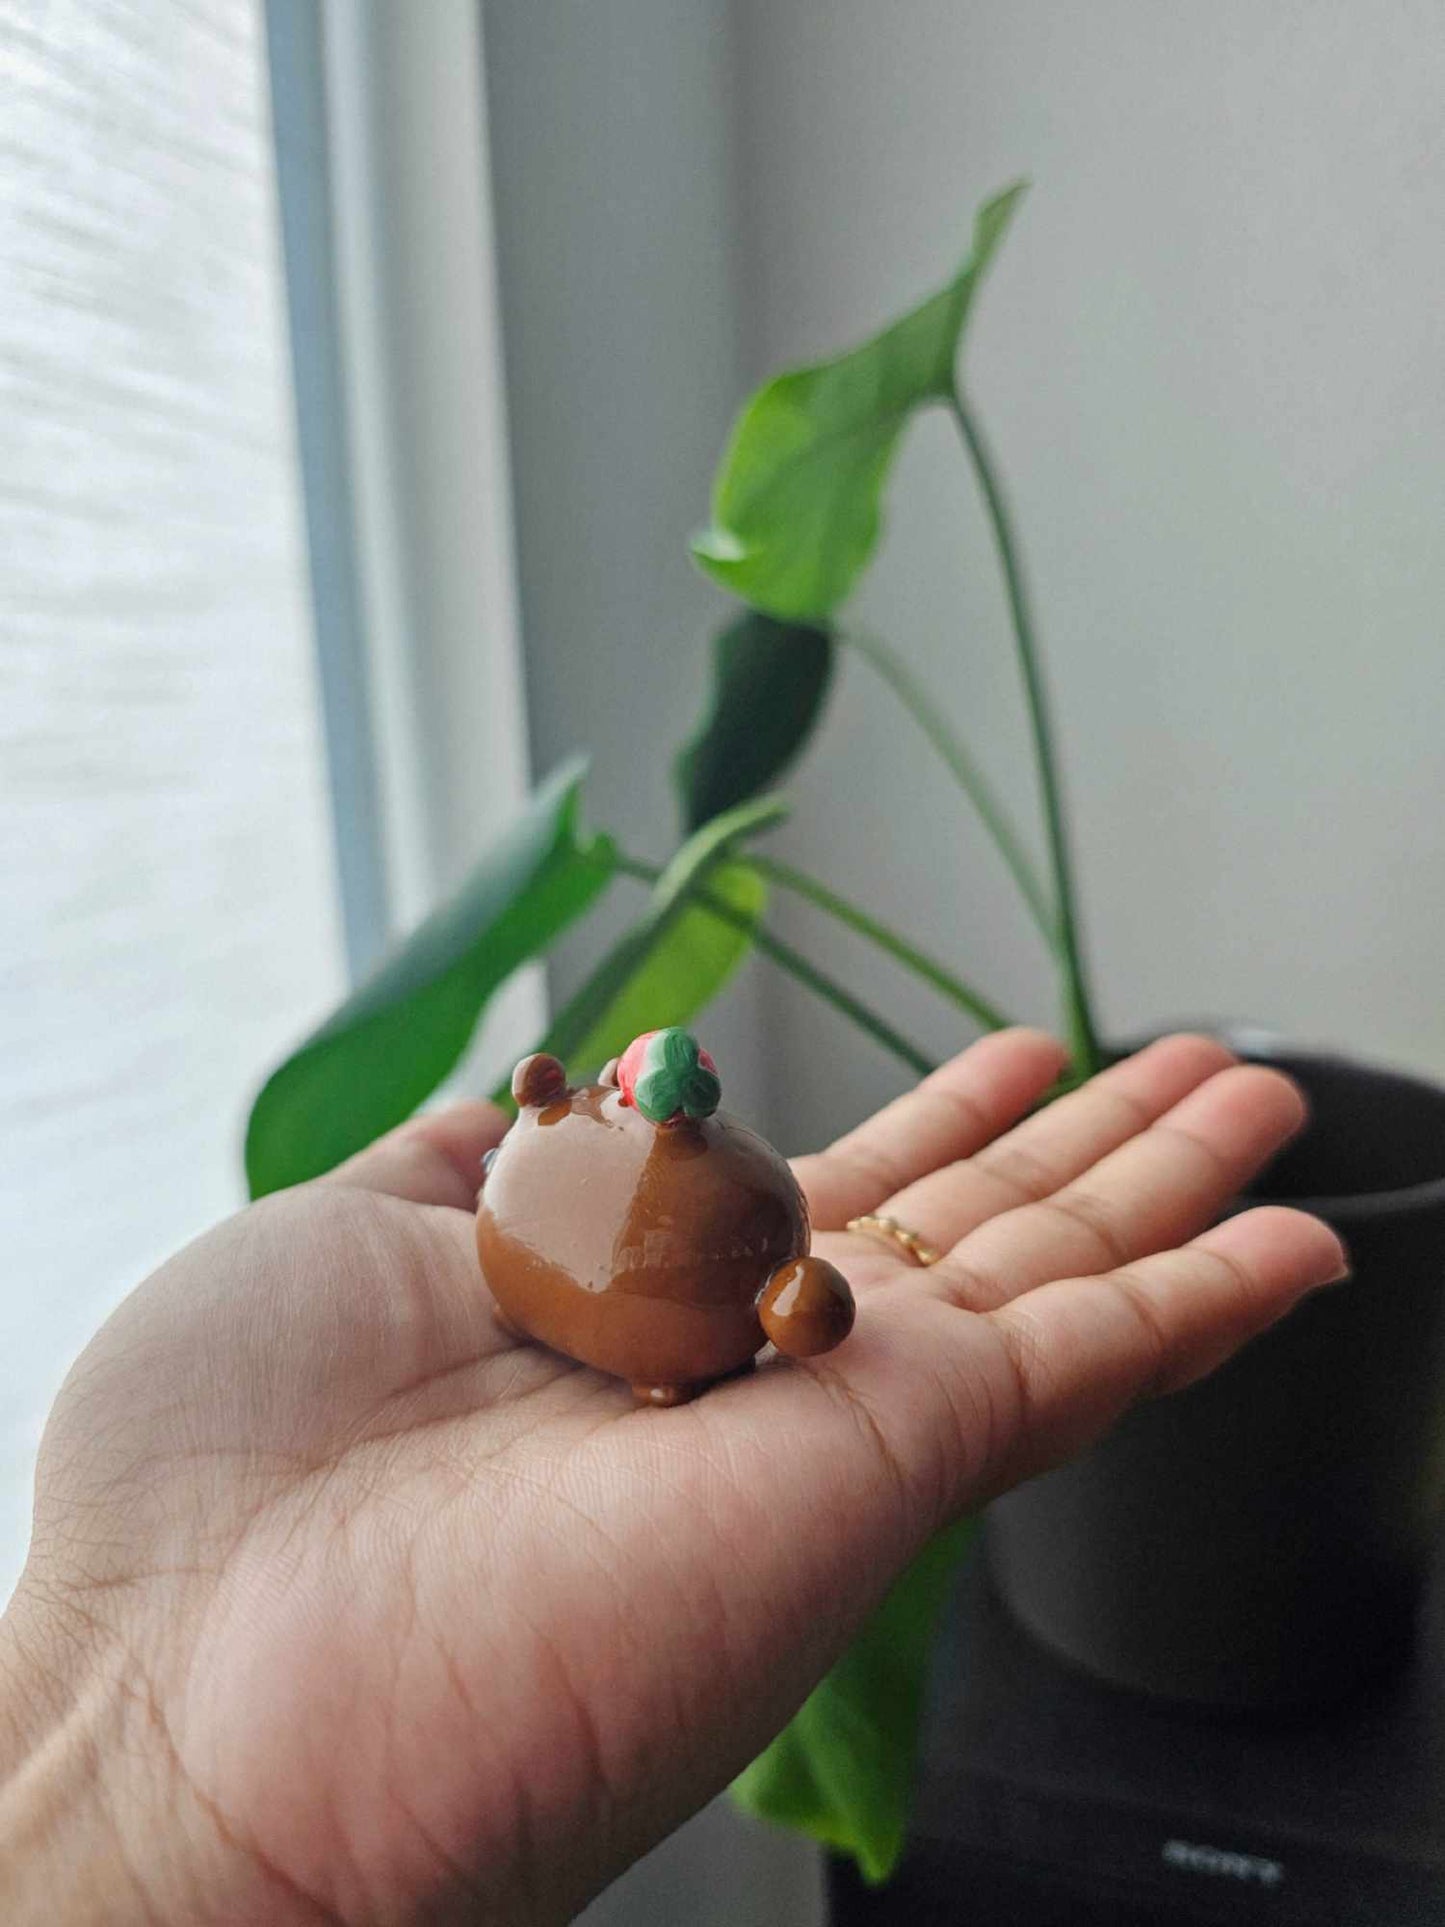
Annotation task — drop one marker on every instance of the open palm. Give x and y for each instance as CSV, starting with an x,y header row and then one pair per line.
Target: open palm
x,y
405,1620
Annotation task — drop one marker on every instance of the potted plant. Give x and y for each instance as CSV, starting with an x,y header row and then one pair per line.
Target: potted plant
x,y
1258,1540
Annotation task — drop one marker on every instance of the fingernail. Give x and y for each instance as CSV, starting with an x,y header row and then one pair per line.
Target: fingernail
x,y
1344,1270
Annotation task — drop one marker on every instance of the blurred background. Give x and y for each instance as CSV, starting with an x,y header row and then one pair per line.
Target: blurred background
x,y
364,370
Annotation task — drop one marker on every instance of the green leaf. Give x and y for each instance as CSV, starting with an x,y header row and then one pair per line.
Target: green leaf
x,y
770,682
663,972
842,1769
676,960
393,1041
796,501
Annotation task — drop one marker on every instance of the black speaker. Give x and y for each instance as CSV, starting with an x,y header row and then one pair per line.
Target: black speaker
x,y
1048,1799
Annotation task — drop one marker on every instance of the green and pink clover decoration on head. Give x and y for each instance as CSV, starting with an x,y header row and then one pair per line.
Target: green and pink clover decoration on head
x,y
668,1076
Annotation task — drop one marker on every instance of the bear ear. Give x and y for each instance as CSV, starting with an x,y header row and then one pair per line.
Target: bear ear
x,y
607,1076
538,1079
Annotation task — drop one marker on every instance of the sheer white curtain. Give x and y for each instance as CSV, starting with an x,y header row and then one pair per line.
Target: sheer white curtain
x,y
169,779
169,917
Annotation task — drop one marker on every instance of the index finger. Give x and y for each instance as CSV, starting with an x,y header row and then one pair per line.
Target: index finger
x,y
954,1112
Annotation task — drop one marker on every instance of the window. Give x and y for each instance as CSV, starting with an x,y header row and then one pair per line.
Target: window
x,y
170,918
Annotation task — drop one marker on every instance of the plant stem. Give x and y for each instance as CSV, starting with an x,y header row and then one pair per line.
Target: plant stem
x,y
832,992
1082,1034
798,966
971,780
943,981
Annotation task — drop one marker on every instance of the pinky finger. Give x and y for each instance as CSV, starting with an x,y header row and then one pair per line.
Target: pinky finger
x,y
1080,1352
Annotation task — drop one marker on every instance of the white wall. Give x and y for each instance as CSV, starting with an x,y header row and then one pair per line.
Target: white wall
x,y
1210,361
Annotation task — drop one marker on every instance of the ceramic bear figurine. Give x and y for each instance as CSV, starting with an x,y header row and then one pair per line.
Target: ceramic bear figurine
x,y
632,1226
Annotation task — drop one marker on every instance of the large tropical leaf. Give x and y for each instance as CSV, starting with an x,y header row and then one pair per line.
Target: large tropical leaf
x,y
677,958
842,1769
770,681
796,500
393,1041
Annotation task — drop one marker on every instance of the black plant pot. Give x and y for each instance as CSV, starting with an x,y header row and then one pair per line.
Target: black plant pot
x,y
1261,1539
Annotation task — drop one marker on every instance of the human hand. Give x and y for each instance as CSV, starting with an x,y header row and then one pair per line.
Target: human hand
x,y
343,1605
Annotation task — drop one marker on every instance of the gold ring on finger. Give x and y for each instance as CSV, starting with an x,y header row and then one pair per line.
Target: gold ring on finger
x,y
889,1231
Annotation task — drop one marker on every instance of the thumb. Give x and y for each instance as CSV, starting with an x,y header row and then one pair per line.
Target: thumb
x,y
435,1159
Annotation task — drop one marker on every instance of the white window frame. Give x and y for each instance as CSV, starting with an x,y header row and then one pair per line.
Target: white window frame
x,y
380,119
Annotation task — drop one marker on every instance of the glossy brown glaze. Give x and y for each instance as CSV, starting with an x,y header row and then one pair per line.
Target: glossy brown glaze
x,y
642,1249
806,1307
538,1079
